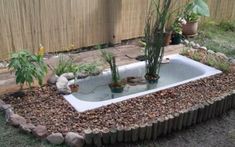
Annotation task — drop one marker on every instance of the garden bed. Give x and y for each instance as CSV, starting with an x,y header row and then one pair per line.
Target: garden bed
x,y
46,107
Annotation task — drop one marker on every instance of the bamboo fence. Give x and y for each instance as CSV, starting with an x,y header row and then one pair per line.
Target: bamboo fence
x,y
61,25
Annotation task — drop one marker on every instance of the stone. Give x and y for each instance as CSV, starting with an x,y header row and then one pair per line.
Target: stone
x,y
53,79
16,120
8,113
4,106
68,76
62,85
221,55
203,48
74,139
40,131
2,65
196,46
27,128
192,43
55,138
186,42
231,134
1,104
210,52
81,75
232,61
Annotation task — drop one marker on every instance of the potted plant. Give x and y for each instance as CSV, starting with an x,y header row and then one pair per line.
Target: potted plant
x,y
154,37
117,85
177,31
192,12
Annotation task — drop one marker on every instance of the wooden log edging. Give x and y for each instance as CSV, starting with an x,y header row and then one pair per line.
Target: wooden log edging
x,y
165,125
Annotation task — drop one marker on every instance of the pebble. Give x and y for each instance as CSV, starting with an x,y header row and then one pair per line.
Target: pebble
x,y
192,43
196,46
55,138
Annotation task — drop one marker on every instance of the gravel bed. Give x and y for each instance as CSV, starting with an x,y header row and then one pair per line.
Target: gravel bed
x,y
45,106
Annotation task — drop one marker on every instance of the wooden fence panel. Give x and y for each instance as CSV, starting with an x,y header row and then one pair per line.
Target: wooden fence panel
x,y
69,24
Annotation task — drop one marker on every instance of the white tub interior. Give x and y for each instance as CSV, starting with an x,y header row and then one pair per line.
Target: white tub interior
x,y
94,91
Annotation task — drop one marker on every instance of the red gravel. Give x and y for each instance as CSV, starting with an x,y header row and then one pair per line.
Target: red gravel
x,y
46,107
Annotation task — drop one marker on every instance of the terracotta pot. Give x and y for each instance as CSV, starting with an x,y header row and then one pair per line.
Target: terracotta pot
x,y
190,28
167,38
74,88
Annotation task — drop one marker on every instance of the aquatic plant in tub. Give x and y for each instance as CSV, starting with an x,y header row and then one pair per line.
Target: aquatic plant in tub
x,y
154,37
117,85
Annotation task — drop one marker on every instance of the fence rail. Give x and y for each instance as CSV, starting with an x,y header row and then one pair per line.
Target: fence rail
x,y
68,24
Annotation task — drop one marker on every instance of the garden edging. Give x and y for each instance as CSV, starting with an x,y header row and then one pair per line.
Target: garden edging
x,y
148,131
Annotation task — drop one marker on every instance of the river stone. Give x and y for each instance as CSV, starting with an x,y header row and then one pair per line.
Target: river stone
x,y
68,76
53,79
27,128
16,120
74,140
40,131
186,42
210,52
61,85
196,46
8,113
55,138
192,43
1,103
203,48
221,55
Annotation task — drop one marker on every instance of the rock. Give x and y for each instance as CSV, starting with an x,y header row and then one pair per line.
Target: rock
x,y
8,113
2,65
16,120
53,79
68,76
1,104
186,42
221,55
81,75
203,48
211,52
73,139
192,43
40,131
4,106
62,85
231,134
232,61
196,46
27,128
55,138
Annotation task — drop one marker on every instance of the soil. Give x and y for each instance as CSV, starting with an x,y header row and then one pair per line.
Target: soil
x,y
45,106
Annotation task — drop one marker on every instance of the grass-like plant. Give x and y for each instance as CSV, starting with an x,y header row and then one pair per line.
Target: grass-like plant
x,y
154,36
28,67
110,59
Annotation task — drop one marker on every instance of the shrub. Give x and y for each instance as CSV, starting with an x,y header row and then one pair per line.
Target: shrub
x,y
27,67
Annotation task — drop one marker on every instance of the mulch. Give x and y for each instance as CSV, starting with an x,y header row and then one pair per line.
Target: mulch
x,y
45,106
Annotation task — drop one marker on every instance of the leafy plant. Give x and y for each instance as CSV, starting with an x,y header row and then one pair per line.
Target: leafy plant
x,y
110,59
27,67
88,68
65,66
194,9
154,35
227,26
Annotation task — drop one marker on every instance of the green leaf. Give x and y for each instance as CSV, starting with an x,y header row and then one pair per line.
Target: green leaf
x,y
201,8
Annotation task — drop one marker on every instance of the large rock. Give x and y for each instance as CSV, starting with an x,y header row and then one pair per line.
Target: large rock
x,y
74,140
55,138
53,79
68,76
62,85
27,128
221,55
8,113
40,131
16,120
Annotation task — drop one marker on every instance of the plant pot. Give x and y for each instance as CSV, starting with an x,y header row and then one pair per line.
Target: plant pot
x,y
152,79
116,88
74,88
190,28
176,38
167,38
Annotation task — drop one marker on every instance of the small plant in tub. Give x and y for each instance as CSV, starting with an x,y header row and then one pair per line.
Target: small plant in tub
x,y
117,85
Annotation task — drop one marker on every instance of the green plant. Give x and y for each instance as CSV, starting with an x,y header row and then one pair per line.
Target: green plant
x,y
194,9
218,63
196,56
28,67
65,66
88,68
154,36
227,26
110,59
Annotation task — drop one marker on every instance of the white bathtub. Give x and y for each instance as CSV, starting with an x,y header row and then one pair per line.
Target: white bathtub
x,y
94,91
